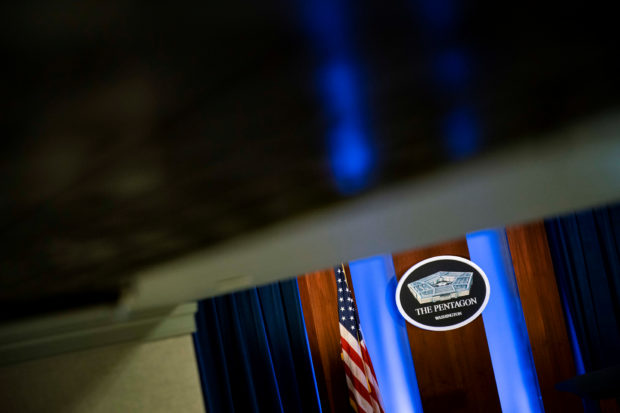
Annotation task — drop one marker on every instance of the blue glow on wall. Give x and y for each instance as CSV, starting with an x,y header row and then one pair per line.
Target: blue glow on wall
x,y
350,155
349,152
350,158
439,15
452,68
504,323
461,132
385,333
340,92
327,26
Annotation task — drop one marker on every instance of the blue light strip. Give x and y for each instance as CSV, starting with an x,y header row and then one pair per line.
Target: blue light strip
x,y
577,356
350,153
385,333
554,230
350,149
506,331
303,320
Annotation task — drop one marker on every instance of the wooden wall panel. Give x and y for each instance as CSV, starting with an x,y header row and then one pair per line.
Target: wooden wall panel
x,y
319,303
543,314
453,367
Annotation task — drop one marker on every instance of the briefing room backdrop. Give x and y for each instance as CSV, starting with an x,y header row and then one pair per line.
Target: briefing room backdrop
x,y
277,348
252,352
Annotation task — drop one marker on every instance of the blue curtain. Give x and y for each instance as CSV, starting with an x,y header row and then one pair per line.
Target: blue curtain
x,y
252,352
585,249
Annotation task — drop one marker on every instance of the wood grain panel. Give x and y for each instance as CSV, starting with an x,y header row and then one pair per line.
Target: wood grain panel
x,y
319,303
543,314
453,368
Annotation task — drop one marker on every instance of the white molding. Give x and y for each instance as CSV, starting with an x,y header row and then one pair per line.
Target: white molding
x,y
82,330
576,168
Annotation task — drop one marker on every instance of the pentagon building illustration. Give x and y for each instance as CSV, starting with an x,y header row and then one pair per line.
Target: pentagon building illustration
x,y
443,285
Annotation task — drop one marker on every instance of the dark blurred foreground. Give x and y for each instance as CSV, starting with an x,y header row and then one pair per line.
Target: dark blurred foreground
x,y
136,133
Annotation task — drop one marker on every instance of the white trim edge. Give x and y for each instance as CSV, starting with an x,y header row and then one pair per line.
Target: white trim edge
x,y
437,258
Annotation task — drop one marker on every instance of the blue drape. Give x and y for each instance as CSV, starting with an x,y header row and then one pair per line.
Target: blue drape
x,y
252,352
585,248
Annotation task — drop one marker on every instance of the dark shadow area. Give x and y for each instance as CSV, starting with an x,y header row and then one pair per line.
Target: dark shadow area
x,y
135,133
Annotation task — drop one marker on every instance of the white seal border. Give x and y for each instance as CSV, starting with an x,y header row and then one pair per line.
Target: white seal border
x,y
437,258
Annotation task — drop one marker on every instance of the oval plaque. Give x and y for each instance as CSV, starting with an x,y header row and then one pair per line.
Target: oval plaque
x,y
442,293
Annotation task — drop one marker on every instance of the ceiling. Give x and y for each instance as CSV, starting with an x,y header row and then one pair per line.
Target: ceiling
x,y
135,134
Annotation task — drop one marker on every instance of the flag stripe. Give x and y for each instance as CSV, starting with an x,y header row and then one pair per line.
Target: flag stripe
x,y
361,403
347,339
355,370
354,350
366,357
359,372
361,362
359,387
350,338
370,375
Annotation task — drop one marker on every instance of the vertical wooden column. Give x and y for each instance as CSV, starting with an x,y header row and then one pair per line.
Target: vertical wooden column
x,y
319,303
543,314
453,368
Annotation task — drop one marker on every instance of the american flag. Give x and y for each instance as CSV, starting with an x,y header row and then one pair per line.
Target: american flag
x,y
361,380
